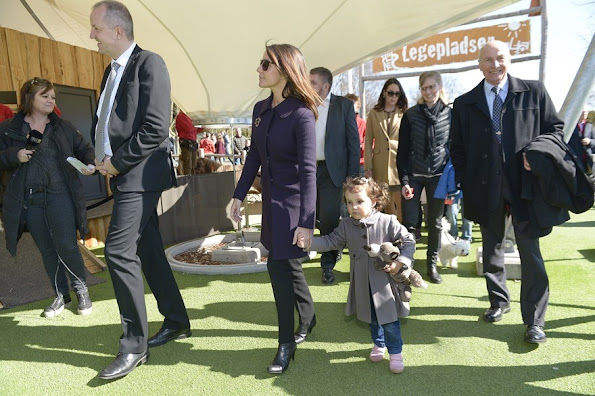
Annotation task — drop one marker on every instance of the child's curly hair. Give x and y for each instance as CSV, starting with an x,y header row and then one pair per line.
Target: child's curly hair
x,y
375,190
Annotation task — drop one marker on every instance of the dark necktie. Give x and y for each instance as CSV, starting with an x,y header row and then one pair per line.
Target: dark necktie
x,y
497,115
102,121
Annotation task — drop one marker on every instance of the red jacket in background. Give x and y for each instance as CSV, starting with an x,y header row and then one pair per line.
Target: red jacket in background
x,y
5,112
185,127
207,145
361,128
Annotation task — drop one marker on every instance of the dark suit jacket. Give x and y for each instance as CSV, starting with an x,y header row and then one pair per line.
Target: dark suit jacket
x,y
284,148
341,144
139,125
475,153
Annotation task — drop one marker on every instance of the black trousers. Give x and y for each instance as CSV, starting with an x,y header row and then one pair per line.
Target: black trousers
x,y
51,220
134,247
534,279
290,290
411,213
328,210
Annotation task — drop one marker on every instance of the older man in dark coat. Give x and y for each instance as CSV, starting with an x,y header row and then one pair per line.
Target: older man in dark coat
x,y
491,125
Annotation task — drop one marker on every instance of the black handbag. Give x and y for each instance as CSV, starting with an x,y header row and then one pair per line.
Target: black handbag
x,y
189,144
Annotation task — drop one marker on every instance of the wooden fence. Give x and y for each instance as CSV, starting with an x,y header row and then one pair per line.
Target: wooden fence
x,y
24,56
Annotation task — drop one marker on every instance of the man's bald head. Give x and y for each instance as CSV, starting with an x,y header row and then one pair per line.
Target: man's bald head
x,y
494,60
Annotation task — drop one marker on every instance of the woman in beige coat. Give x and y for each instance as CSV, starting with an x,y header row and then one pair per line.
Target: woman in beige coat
x,y
382,141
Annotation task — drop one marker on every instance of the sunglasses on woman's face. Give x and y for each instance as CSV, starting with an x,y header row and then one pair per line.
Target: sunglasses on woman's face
x,y
265,63
391,93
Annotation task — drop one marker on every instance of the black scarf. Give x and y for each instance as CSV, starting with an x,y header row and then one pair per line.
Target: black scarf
x,y
431,115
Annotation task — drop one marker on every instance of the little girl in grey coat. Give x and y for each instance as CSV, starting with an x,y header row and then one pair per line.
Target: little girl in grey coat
x,y
372,291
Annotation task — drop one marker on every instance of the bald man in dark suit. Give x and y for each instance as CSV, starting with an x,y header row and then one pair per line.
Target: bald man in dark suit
x,y
132,146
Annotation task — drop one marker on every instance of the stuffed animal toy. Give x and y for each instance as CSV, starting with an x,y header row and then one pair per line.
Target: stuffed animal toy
x,y
405,276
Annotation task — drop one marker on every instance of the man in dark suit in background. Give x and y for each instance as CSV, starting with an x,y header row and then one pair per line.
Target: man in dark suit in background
x,y
337,157
131,130
491,125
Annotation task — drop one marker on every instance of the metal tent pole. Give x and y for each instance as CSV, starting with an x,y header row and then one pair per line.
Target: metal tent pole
x,y
578,93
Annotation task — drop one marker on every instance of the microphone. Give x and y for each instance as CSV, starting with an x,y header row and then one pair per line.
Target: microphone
x,y
34,138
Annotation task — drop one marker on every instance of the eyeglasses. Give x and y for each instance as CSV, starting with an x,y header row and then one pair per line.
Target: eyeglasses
x,y
391,93
265,63
429,87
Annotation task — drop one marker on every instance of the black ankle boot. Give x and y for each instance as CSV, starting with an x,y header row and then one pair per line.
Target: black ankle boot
x,y
281,361
303,330
433,274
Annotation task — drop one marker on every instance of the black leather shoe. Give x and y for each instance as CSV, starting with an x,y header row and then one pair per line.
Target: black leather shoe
x,y
434,275
535,335
281,361
494,314
327,276
164,336
123,365
303,330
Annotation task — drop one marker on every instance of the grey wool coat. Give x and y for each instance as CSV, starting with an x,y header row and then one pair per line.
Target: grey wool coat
x,y
364,277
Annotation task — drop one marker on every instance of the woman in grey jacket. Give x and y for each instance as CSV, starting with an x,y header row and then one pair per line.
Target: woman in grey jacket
x,y
44,193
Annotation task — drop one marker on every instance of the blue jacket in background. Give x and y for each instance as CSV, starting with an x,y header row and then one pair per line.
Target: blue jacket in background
x,y
447,186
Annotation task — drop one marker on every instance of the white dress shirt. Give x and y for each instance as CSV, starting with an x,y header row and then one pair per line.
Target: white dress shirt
x,y
122,61
321,127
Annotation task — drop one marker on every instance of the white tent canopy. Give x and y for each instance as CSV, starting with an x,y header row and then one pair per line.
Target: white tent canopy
x,y
212,49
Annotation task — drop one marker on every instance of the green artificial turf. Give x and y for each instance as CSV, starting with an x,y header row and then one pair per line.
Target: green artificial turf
x,y
448,349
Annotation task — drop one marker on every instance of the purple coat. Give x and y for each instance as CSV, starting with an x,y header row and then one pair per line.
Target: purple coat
x,y
284,148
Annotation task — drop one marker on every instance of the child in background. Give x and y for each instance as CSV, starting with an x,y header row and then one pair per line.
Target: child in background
x,y
372,293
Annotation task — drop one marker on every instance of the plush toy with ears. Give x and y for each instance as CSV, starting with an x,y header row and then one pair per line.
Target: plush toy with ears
x,y
405,276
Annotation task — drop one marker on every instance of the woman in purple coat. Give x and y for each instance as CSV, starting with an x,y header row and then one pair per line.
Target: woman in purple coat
x,y
284,148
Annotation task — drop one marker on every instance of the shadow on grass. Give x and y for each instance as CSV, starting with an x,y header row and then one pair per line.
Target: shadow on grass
x,y
577,224
588,254
304,374
416,326
95,347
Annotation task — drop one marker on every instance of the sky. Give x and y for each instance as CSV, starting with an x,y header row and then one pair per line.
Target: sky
x,y
571,25
570,29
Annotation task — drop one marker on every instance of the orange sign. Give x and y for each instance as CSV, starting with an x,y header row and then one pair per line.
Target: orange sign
x,y
459,46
